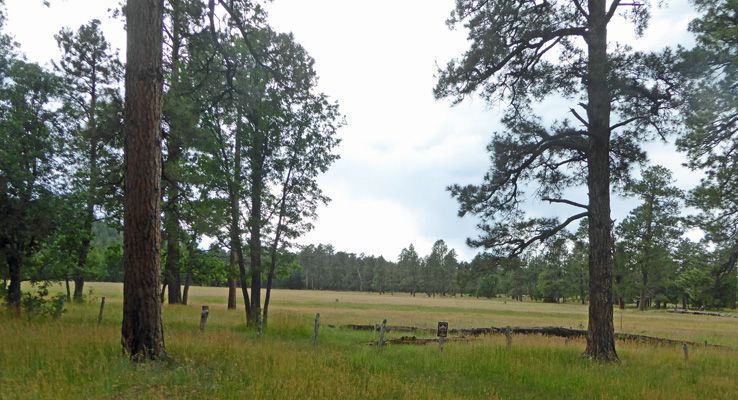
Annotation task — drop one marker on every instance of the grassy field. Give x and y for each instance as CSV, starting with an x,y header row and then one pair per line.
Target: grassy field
x,y
76,358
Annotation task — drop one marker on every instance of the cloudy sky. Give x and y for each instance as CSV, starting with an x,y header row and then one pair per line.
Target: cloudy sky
x,y
401,148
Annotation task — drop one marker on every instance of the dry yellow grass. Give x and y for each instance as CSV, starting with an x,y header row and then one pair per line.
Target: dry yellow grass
x,y
75,357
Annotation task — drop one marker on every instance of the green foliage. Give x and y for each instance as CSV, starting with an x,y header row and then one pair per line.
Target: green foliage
x,y
508,60
36,303
711,116
651,233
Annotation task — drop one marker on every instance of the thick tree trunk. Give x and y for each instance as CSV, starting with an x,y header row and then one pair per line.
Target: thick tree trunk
x,y
142,332
600,330
79,287
15,262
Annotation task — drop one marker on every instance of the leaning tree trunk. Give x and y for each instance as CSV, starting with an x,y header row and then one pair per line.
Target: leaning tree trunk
x,y
142,332
600,330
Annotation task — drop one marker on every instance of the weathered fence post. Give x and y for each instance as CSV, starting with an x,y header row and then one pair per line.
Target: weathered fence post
x,y
686,351
317,326
102,307
381,334
261,322
440,344
508,335
204,317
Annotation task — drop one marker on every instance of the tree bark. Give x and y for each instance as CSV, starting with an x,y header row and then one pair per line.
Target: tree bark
x,y
142,331
600,330
644,276
257,187
15,262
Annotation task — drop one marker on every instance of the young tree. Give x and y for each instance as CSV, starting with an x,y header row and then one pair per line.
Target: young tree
x,y
408,265
652,230
28,145
142,331
90,73
523,51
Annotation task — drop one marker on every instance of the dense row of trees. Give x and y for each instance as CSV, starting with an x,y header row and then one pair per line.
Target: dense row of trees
x,y
222,135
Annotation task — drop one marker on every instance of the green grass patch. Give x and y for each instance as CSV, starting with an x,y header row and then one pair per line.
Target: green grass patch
x,y
75,357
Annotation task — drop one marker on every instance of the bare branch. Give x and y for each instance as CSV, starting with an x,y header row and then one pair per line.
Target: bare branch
x,y
564,201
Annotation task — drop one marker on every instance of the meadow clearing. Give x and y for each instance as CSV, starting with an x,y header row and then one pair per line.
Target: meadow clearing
x,y
75,357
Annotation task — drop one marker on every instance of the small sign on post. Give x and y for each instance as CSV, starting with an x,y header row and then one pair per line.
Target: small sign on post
x,y
441,332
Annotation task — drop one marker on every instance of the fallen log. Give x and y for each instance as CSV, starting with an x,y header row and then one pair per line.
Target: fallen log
x,y
557,331
388,328
712,314
416,340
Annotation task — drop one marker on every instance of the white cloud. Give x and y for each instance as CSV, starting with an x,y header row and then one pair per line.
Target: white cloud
x,y
401,148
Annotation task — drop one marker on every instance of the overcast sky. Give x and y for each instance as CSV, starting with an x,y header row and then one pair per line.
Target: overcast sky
x,y
401,148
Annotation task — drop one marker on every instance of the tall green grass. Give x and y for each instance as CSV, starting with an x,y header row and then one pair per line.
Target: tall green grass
x,y
74,357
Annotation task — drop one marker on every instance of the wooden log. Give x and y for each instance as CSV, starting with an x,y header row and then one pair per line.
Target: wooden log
x,y
204,317
712,314
388,328
559,332
102,307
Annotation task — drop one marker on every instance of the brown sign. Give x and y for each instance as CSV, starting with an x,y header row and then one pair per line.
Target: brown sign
x,y
442,330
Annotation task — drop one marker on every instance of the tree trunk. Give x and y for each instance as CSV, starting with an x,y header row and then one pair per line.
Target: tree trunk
x,y
257,187
275,246
173,234
79,287
142,331
66,280
236,246
642,303
15,262
186,291
600,330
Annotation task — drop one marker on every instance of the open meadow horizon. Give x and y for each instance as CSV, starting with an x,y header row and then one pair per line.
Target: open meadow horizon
x,y
74,356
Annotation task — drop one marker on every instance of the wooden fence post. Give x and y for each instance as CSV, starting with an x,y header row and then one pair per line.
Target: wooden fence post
x,y
686,351
508,335
102,307
261,322
204,317
317,326
381,334
440,344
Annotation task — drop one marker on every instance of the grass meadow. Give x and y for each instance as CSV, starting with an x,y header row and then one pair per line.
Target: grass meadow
x,y
75,357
